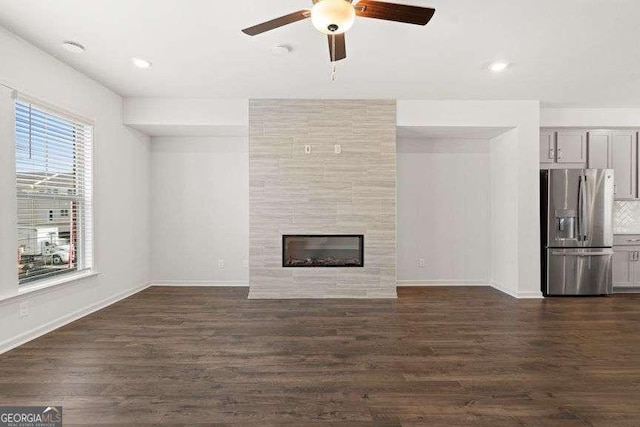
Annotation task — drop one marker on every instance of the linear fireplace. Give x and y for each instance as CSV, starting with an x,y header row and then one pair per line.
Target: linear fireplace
x,y
323,250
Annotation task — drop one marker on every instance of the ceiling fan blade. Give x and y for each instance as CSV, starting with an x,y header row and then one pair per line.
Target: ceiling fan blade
x,y
278,22
394,12
337,47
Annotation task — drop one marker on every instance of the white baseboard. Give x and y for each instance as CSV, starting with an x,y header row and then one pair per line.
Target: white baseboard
x,y
516,294
233,283
626,290
530,295
403,283
36,332
500,287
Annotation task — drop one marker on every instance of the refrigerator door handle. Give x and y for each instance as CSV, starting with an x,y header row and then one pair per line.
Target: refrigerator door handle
x,y
582,208
588,254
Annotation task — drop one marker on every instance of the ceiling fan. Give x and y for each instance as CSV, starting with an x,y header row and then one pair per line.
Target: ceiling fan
x,y
335,17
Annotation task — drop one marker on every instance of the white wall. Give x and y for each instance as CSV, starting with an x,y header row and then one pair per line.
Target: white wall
x,y
8,202
443,192
200,210
121,195
504,212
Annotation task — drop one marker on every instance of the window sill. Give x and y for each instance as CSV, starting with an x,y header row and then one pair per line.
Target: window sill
x,y
50,283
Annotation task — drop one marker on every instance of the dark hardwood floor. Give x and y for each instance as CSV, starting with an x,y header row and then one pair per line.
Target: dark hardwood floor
x,y
434,357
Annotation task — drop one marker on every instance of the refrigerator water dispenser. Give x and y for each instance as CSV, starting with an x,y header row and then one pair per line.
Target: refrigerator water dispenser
x,y
567,224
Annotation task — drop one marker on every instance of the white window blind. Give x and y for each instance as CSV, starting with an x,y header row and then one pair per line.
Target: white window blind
x,y
54,190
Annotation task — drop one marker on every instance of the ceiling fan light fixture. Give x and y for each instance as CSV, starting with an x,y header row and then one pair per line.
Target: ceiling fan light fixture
x,y
333,16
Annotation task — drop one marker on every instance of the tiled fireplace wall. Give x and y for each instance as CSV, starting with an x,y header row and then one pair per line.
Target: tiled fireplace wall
x,y
293,192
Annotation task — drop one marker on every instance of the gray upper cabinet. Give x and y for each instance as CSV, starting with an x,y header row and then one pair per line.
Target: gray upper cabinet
x,y
599,151
625,164
616,150
563,149
571,147
547,147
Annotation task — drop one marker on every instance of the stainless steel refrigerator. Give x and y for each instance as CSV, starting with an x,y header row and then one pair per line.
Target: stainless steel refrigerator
x,y
577,231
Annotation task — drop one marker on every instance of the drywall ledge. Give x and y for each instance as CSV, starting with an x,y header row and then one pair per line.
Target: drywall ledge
x,y
66,319
187,117
590,117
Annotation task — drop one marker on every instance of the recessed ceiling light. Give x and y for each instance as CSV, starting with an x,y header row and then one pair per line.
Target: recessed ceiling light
x,y
499,66
141,63
280,50
73,47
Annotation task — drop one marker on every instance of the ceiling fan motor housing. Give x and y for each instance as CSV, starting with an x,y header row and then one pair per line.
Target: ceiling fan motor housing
x,y
333,16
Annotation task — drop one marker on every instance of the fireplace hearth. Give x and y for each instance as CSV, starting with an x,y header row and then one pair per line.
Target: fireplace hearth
x,y
323,250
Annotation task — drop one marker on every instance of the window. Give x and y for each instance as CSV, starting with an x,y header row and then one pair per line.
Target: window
x,y
53,175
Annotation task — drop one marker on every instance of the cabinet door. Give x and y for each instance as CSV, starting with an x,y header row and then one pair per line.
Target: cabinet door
x,y
599,150
624,164
624,265
636,268
547,148
571,147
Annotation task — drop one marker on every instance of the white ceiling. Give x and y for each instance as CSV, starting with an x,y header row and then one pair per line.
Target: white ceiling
x,y
564,52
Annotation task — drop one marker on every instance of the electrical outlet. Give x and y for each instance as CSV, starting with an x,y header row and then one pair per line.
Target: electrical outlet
x,y
220,263
245,263
421,262
337,149
24,309
307,149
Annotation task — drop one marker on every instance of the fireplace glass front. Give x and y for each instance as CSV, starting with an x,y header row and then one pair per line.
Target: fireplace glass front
x,y
335,250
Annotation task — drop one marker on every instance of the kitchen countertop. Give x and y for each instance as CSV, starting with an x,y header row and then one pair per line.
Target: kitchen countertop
x,y
626,240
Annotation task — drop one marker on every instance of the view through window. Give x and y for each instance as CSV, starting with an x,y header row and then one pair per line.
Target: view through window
x,y
53,177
